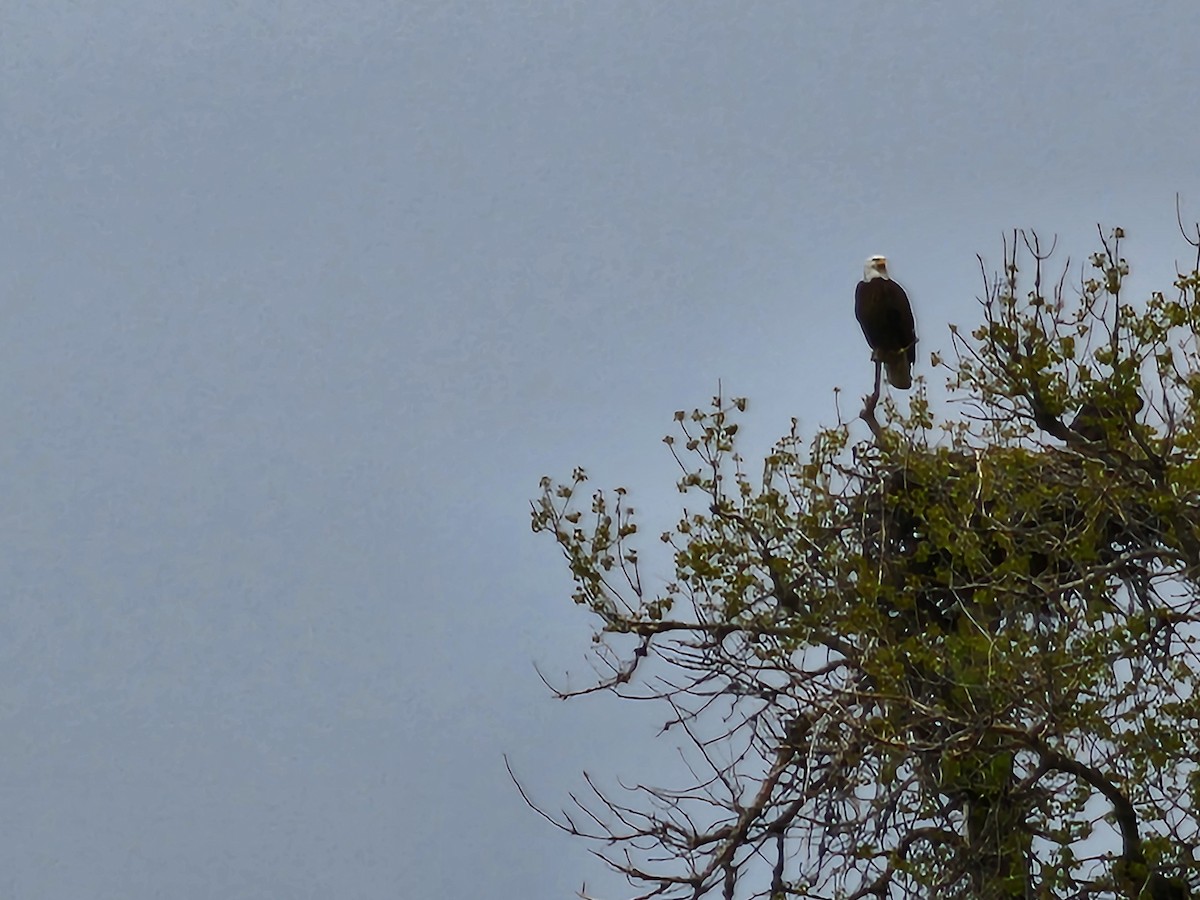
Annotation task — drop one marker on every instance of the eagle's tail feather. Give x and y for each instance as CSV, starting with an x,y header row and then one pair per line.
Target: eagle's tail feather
x,y
899,371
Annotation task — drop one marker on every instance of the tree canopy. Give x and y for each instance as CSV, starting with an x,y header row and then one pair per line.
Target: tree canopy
x,y
945,659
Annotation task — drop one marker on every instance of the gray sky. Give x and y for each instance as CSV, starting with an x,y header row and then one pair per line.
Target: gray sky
x,y
301,298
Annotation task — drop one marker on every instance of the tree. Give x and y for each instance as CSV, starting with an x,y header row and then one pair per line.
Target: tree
x,y
955,661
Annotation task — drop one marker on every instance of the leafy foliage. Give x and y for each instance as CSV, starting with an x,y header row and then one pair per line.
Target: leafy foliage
x,y
943,662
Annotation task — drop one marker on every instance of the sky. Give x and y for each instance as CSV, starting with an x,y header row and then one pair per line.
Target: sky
x,y
301,299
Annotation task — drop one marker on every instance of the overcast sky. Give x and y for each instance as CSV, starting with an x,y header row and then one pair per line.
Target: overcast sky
x,y
301,298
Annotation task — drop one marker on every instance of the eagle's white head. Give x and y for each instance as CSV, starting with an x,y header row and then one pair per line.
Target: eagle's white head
x,y
876,267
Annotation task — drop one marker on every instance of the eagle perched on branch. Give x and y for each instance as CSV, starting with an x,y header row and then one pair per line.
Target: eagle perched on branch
x,y
883,311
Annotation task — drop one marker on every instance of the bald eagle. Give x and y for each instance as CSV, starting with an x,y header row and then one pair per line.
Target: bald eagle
x,y
883,311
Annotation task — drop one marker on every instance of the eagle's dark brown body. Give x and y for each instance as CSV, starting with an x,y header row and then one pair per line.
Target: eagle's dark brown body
x,y
883,311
